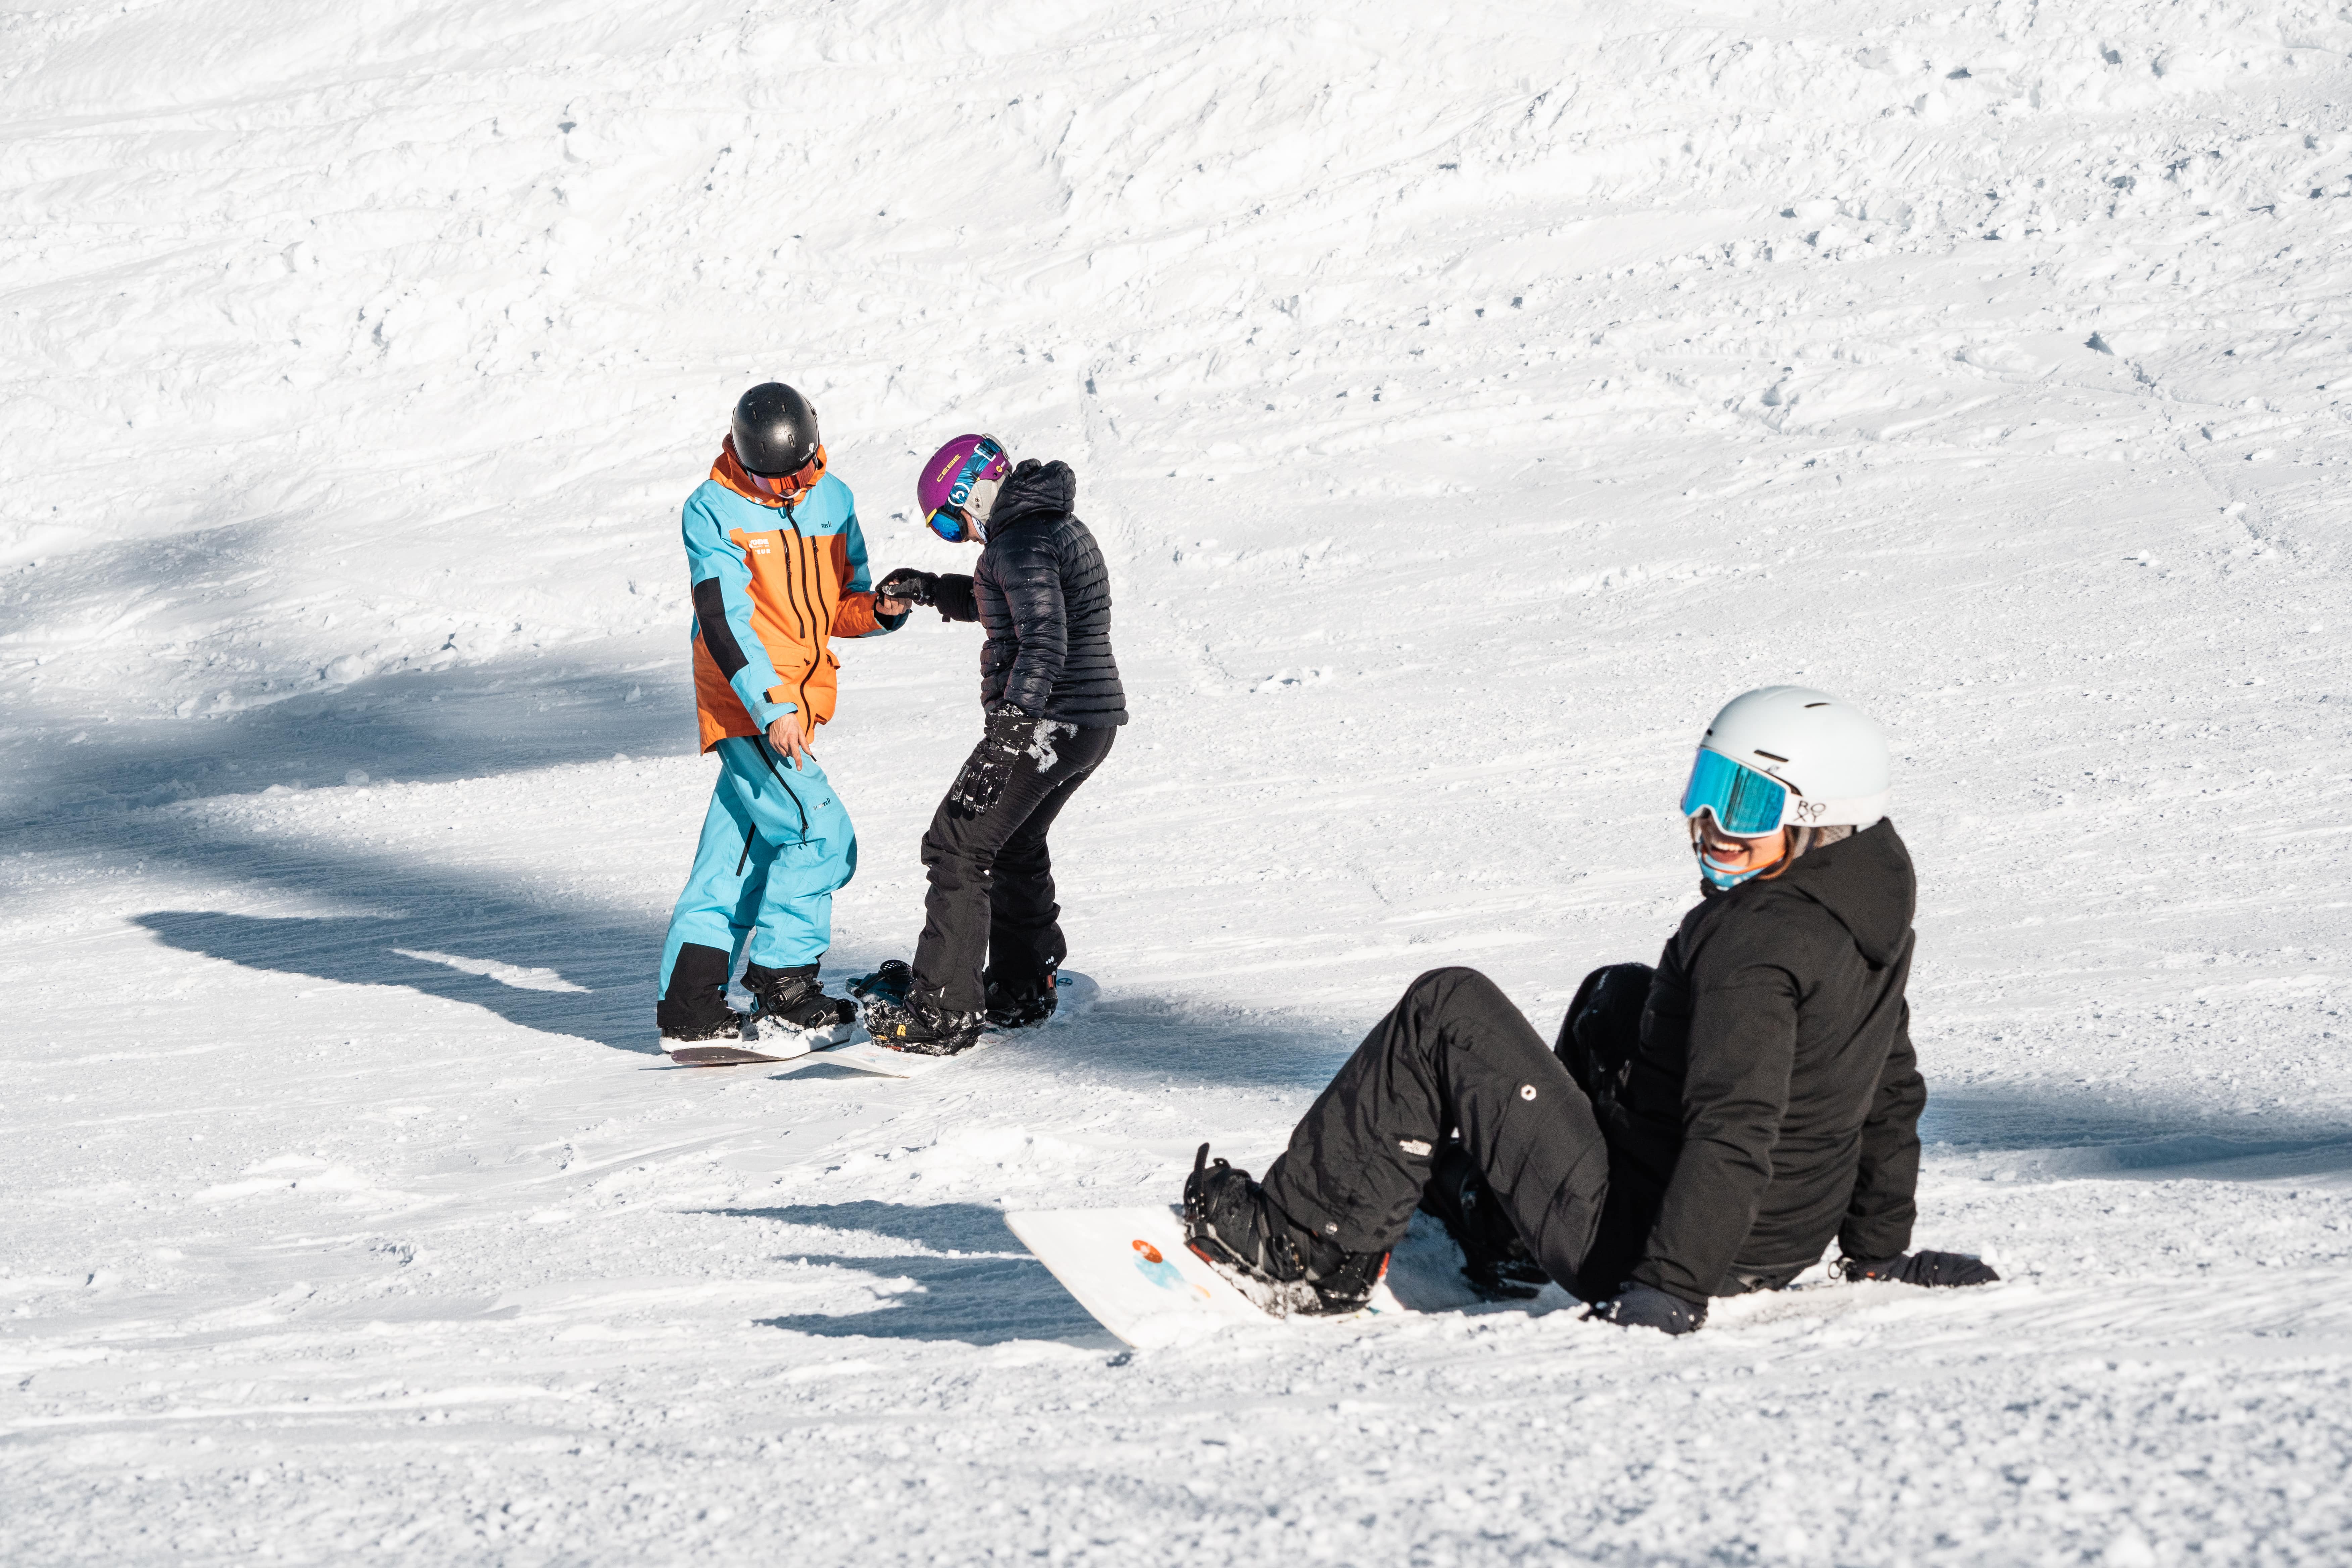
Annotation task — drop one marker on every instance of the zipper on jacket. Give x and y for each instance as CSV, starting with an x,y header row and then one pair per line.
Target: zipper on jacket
x,y
804,573
796,593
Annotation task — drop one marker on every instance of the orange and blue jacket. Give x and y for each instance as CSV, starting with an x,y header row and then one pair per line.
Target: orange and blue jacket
x,y
772,584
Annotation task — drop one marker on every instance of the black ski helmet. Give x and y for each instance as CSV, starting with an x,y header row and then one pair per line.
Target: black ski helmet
x,y
775,430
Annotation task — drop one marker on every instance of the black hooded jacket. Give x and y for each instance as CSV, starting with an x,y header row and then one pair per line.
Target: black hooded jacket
x,y
1774,1101
1042,594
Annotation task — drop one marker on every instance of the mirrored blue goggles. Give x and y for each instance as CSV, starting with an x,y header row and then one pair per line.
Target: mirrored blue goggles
x,y
1745,802
951,523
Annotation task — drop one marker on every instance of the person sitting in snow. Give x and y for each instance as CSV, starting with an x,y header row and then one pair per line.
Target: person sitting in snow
x,y
1702,1129
992,935
778,568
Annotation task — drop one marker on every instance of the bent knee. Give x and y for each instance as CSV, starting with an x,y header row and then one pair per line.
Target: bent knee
x,y
1454,980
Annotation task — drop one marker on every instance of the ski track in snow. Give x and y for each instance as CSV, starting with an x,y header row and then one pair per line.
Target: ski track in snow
x,y
1468,401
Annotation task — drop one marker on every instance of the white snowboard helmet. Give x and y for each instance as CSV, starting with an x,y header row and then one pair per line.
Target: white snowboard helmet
x,y
1788,756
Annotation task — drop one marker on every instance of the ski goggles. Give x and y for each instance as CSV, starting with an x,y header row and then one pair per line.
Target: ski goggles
x,y
1744,802
784,487
950,519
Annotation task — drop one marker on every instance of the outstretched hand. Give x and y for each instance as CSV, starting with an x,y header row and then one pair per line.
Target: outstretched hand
x,y
902,590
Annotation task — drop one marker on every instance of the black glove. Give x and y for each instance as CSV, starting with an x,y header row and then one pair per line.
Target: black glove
x,y
1921,1269
906,583
1643,1307
1011,732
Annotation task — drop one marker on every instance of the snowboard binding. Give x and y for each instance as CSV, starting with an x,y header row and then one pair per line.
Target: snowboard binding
x,y
901,1020
1011,1009
792,998
1231,1224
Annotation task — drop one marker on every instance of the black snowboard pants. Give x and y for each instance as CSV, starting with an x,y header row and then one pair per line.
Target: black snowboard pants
x,y
1454,1055
992,893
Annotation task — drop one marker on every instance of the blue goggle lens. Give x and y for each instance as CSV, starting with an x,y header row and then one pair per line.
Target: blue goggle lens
x,y
949,525
1744,802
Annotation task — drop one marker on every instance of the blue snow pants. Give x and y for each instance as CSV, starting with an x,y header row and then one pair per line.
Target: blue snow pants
x,y
775,844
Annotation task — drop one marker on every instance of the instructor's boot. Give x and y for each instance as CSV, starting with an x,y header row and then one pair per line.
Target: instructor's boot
x,y
902,1015
1023,1007
694,1006
794,998
1230,1221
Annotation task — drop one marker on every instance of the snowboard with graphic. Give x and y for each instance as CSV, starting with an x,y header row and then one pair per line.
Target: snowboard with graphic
x,y
1131,1269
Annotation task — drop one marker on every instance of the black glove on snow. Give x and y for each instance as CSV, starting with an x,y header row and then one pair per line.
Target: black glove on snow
x,y
1921,1269
1011,732
1643,1307
906,583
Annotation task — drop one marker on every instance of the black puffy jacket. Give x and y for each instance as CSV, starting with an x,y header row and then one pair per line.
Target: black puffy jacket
x,y
1774,1101
1042,594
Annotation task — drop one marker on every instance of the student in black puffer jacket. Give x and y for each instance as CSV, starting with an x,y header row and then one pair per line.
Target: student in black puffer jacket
x,y
992,938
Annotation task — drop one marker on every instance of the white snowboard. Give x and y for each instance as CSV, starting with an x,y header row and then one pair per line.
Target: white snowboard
x,y
1075,994
1131,1269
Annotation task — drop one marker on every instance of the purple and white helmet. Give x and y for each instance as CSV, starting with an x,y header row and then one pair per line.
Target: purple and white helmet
x,y
958,486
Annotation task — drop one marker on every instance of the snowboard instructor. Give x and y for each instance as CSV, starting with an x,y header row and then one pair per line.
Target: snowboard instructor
x,y
778,567
1702,1129
992,939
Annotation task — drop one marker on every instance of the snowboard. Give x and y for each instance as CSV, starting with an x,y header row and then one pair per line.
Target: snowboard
x,y
791,1049
800,1047
1131,1269
1073,993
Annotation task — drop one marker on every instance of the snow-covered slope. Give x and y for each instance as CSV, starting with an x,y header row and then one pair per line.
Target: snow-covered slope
x,y
1469,399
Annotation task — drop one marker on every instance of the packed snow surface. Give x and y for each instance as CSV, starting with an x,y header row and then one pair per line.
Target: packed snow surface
x,y
1469,398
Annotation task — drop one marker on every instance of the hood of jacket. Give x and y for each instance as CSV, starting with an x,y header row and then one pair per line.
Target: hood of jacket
x,y
1866,881
1033,489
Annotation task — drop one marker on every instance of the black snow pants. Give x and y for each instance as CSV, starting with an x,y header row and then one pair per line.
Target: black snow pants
x,y
992,893
1453,1056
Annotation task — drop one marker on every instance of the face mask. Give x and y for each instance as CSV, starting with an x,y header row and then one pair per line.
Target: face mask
x,y
1719,877
1720,874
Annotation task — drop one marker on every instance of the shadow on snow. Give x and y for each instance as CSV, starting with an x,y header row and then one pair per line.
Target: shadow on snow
x,y
966,1278
526,712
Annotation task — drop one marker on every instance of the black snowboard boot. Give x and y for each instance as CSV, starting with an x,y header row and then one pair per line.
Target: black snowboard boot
x,y
694,1006
902,1014
1230,1221
1494,1260
1023,1007
794,998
